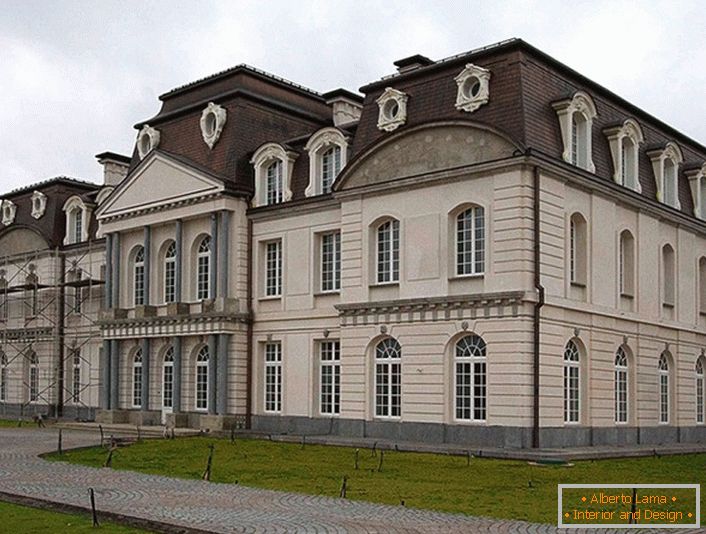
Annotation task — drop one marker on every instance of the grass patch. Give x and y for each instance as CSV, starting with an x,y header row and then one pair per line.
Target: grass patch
x,y
26,520
10,423
486,487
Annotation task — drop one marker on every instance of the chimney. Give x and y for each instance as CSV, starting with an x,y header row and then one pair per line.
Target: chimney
x,y
115,167
346,106
412,62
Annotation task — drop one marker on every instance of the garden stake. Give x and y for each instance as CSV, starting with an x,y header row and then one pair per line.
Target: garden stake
x,y
382,455
59,450
93,507
356,458
138,432
303,441
207,473
468,458
344,487
172,432
100,427
232,435
373,452
109,459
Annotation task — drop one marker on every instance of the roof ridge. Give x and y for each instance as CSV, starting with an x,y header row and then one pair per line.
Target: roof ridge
x,y
48,181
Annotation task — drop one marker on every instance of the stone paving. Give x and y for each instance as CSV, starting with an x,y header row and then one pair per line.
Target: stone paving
x,y
215,507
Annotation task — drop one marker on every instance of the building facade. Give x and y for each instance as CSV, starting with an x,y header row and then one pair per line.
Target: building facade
x,y
489,249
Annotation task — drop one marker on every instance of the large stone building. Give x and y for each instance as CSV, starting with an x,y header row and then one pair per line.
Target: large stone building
x,y
489,249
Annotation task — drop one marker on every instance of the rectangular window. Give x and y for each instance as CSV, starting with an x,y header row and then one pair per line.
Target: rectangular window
x,y
137,386
330,354
274,183
202,385
33,384
470,242
168,385
3,306
76,383
621,396
139,284
273,377
388,252
571,394
170,281
3,383
273,269
700,399
664,398
331,262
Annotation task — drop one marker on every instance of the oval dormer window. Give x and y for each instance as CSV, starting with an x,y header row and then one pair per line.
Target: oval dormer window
x,y
471,87
213,119
147,140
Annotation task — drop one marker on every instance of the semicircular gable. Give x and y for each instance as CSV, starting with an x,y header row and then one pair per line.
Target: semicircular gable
x,y
428,148
20,240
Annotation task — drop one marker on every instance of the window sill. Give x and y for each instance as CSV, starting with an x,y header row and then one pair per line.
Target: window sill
x,y
627,296
270,297
466,276
384,284
327,293
330,415
387,417
469,422
578,284
668,305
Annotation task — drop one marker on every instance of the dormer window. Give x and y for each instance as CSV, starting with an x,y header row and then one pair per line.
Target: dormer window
x,y
665,166
213,119
77,217
9,209
327,150
697,182
625,141
576,122
392,111
273,174
147,140
39,204
473,88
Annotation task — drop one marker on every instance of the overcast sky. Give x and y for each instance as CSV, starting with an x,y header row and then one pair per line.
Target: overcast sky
x,y
76,76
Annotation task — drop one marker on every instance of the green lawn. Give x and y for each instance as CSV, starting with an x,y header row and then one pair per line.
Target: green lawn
x,y
5,423
24,520
496,488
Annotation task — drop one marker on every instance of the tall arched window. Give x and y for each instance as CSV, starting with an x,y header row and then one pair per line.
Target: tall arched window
x,y
702,283
203,268
139,276
274,183
202,362
670,182
170,273
388,251
33,376
668,273
330,167
700,390
572,382
579,140
626,264
663,368
470,241
76,375
168,379
76,216
470,379
578,242
388,378
137,379
621,386
3,376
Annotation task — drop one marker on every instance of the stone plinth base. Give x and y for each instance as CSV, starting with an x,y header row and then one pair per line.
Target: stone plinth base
x,y
145,418
217,423
112,417
177,420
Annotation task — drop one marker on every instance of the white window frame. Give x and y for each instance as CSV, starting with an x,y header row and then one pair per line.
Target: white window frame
x,y
664,181
77,215
470,241
203,268
170,259
272,398
201,383
330,377
261,160
3,376
392,109
621,386
388,373
700,383
582,104
697,184
147,140
168,378
330,262
318,145
470,370
76,376
626,166
664,379
137,379
138,276
572,383
387,252
473,88
273,268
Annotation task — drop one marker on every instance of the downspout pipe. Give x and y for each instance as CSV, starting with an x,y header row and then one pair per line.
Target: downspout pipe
x,y
538,305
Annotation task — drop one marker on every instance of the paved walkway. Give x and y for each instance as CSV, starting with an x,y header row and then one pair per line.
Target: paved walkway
x,y
182,504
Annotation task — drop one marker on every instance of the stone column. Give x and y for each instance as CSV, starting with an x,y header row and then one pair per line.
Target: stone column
x,y
145,399
114,374
213,260
212,373
222,379
105,376
115,299
176,398
178,276
108,271
148,263
223,255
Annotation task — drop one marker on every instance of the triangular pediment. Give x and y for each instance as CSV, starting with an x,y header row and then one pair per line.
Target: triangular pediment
x,y
157,182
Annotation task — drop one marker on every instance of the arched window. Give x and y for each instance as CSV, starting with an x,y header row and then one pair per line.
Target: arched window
x,y
579,140
139,276
663,368
203,268
572,383
3,376
625,141
330,167
76,375
170,273
668,273
77,225
700,390
576,121
202,362
137,379
33,376
578,242
621,386
470,379
470,241
388,251
274,183
168,379
388,378
670,182
626,264
76,215
702,285
665,167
